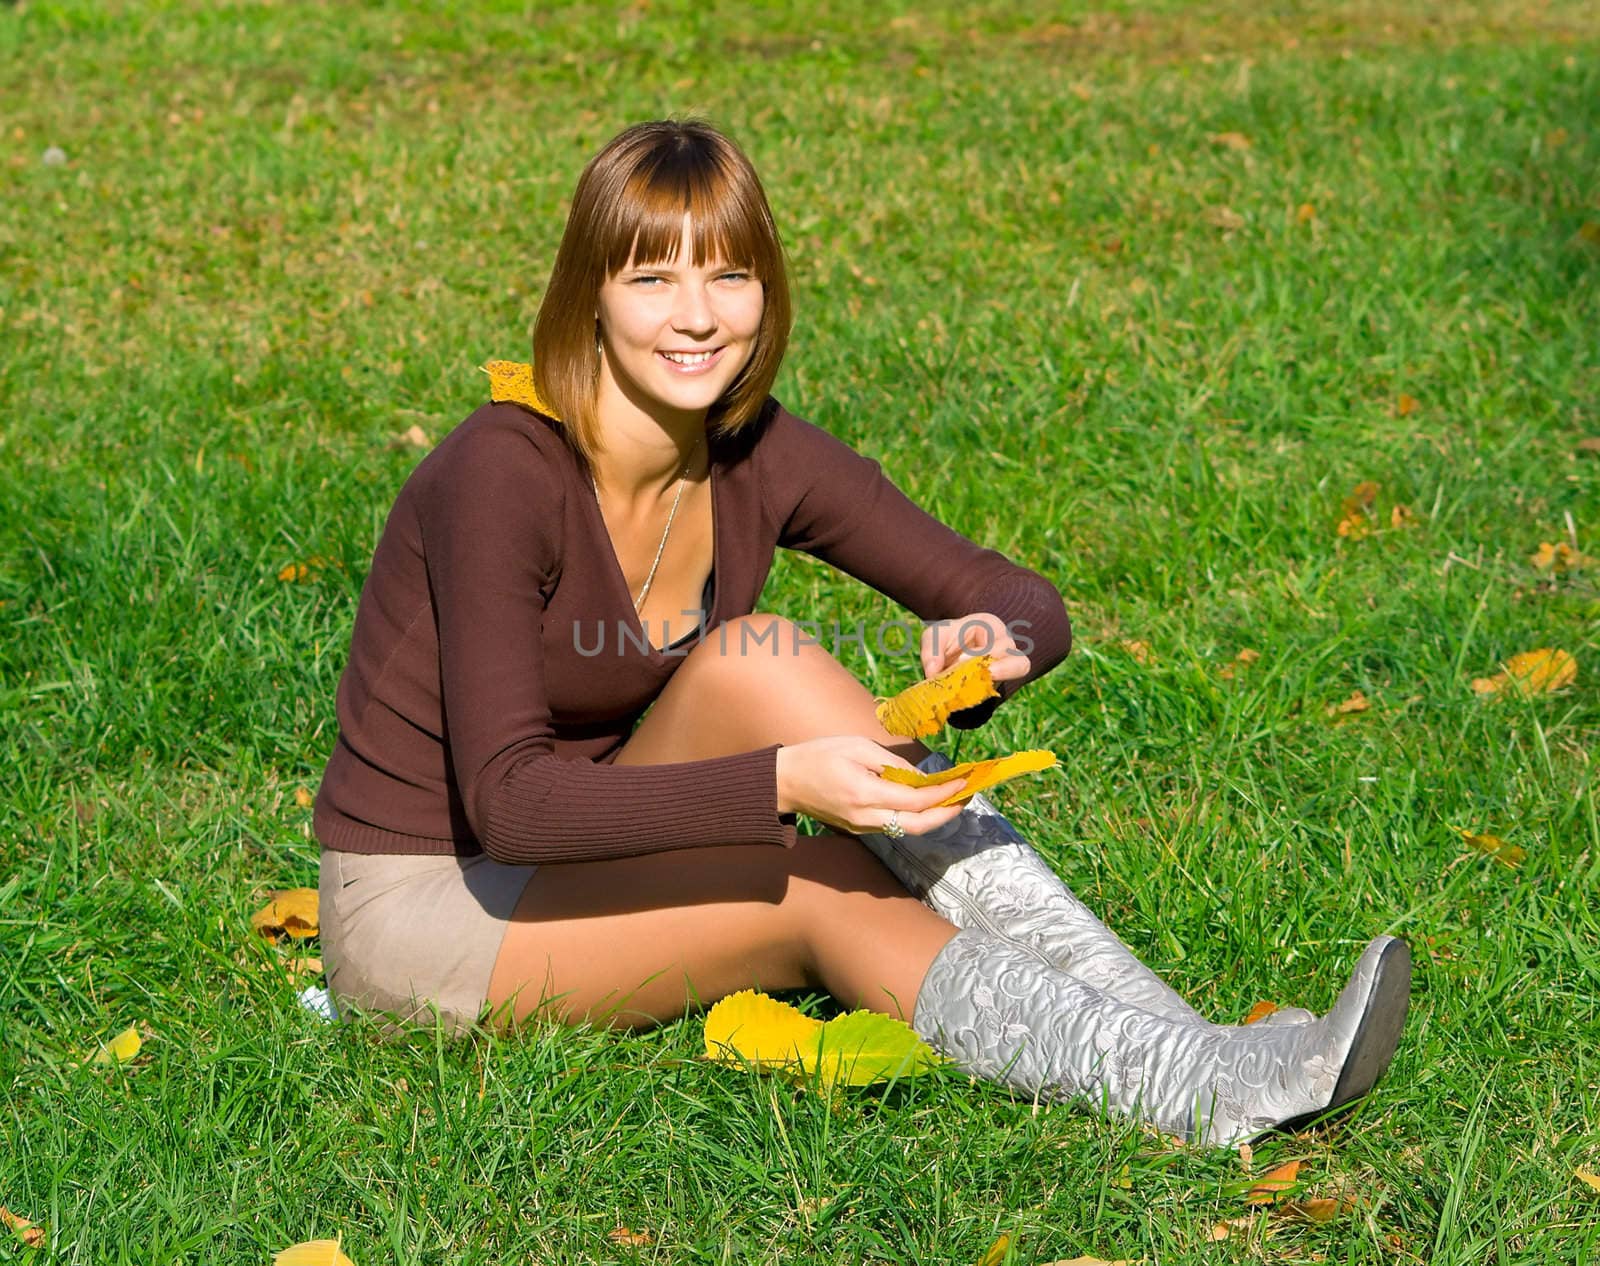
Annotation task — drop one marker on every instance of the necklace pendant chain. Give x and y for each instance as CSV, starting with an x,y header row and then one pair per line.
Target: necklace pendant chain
x,y
672,514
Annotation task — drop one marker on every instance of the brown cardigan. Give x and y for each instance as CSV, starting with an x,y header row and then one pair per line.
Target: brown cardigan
x,y
476,712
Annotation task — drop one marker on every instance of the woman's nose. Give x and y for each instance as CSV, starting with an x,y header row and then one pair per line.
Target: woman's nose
x,y
692,314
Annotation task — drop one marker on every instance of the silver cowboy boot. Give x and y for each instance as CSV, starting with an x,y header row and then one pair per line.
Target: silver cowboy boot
x,y
999,1011
978,872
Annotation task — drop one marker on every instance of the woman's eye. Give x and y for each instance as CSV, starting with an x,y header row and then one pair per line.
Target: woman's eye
x,y
736,276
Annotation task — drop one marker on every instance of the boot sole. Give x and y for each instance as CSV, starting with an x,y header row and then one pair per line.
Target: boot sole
x,y
1376,1037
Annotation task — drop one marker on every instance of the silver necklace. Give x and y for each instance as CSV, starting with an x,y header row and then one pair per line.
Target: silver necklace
x,y
639,601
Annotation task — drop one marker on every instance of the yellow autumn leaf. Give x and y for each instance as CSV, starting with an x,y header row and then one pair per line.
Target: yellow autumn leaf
x,y
997,1252
1271,1185
855,1049
292,913
980,774
120,1049
1587,1177
303,798
1260,1012
312,1253
1306,213
1357,702
1406,405
751,1027
1315,1210
1493,846
1530,673
512,381
1558,558
26,1231
922,709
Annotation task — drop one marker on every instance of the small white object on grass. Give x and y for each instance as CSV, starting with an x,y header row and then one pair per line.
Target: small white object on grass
x,y
55,156
319,1002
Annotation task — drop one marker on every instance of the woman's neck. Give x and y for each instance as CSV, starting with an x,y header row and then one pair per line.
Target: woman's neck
x,y
644,452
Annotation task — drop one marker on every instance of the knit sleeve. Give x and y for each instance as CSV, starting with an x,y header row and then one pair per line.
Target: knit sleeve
x,y
837,504
489,521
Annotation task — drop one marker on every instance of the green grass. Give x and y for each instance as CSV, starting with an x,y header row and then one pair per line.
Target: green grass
x,y
1066,319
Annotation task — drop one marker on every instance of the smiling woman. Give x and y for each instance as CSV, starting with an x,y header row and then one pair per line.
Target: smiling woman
x,y
504,828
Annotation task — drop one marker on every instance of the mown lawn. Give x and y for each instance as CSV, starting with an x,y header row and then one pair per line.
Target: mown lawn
x,y
1139,296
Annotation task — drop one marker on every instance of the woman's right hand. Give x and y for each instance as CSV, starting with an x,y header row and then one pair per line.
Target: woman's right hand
x,y
835,780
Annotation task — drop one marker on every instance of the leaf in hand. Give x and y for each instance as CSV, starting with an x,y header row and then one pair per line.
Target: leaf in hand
x,y
922,709
980,774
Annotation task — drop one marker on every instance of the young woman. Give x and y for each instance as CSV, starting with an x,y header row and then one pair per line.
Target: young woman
x,y
502,830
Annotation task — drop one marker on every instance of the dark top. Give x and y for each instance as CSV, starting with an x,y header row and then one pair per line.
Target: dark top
x,y
497,665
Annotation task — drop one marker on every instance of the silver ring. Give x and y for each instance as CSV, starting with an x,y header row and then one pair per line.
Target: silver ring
x,y
892,827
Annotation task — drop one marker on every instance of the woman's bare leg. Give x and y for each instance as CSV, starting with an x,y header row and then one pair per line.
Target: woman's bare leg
x,y
635,940
732,693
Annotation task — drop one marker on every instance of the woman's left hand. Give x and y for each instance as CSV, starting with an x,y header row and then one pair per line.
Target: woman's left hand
x,y
947,642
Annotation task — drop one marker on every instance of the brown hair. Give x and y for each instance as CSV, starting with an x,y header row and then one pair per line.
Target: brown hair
x,y
629,204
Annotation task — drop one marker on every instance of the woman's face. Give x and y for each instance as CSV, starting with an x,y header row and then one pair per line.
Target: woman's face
x,y
676,336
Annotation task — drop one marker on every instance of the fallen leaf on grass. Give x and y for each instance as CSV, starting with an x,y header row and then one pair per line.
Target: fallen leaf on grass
x,y
854,1049
1306,213
299,573
1357,702
1243,659
120,1049
26,1231
313,1253
1558,558
1230,140
980,774
1222,1230
303,798
1138,651
1495,847
1530,673
412,437
1355,511
1589,444
997,1252
1587,1178
1225,218
289,913
1401,517
1405,405
629,1238
305,966
1095,1261
1316,1210
1269,1188
1259,1012
923,708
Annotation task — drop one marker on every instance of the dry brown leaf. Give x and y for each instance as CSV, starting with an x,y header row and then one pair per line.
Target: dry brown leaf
x,y
997,1252
1222,1230
302,966
292,913
1357,702
980,774
1315,1210
629,1238
1138,651
1558,558
1096,1261
1230,140
1401,517
303,798
922,709
1493,846
412,437
1306,213
1269,1188
1247,1154
313,1253
1243,659
26,1231
1589,444
1587,1178
1260,1012
1405,405
1530,673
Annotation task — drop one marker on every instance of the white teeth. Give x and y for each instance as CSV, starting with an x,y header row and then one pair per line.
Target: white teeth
x,y
688,358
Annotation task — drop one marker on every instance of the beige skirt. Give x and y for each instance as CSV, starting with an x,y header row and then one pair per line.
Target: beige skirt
x,y
415,938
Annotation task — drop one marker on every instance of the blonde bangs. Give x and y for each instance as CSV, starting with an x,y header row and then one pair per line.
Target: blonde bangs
x,y
628,208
